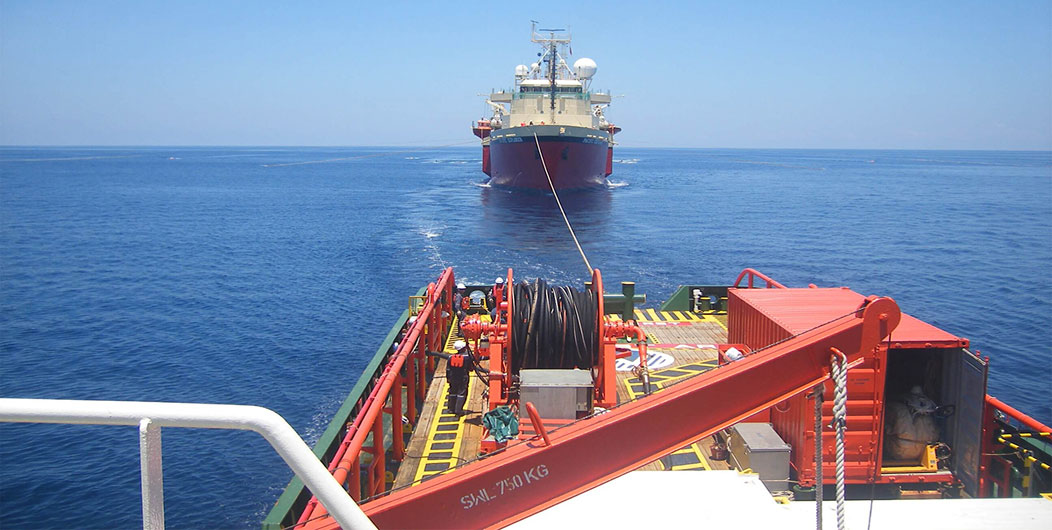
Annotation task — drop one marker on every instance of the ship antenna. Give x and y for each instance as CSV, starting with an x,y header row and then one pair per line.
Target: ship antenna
x,y
551,45
551,75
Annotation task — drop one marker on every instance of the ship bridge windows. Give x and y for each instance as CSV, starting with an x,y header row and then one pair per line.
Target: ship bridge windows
x,y
548,89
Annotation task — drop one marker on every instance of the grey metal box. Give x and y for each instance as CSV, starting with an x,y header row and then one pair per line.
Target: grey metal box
x,y
756,446
557,394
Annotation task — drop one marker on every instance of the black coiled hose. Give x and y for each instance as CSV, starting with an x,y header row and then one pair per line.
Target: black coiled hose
x,y
553,327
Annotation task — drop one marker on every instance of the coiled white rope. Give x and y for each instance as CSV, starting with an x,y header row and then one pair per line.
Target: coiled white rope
x,y
557,201
838,369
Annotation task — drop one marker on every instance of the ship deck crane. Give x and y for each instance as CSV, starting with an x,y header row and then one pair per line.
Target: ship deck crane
x,y
498,109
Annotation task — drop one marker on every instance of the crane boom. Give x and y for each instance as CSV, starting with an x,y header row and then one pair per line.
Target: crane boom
x,y
529,477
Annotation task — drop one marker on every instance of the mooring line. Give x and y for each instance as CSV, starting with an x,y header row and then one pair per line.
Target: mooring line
x,y
557,201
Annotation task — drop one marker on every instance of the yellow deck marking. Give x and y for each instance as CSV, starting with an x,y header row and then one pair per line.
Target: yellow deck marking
x,y
692,449
701,458
653,314
691,315
640,316
663,378
711,318
456,427
454,330
445,428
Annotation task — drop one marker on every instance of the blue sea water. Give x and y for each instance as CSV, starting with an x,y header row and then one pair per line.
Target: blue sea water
x,y
268,276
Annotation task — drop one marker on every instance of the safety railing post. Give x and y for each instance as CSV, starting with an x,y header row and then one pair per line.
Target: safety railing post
x,y
152,475
378,457
432,326
355,483
429,361
421,375
397,443
410,389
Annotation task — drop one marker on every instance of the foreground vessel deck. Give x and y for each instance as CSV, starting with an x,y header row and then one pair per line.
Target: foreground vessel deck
x,y
725,364
440,440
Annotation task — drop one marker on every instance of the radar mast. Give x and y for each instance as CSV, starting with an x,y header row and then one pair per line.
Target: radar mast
x,y
551,55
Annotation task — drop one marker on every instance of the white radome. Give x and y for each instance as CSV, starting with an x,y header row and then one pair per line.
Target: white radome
x,y
585,68
521,71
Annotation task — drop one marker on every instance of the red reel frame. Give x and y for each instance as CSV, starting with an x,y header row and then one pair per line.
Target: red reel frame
x,y
500,339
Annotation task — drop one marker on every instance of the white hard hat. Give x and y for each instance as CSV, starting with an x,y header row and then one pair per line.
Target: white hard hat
x,y
459,344
500,280
461,286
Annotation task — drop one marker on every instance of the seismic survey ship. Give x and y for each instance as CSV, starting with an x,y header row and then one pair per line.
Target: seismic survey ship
x,y
551,110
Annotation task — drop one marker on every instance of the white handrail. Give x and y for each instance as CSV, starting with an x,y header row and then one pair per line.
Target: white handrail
x,y
281,436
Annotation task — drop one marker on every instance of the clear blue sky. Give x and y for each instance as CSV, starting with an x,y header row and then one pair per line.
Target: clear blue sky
x,y
939,75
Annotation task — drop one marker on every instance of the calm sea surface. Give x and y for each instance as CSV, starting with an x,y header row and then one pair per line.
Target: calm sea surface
x,y
268,277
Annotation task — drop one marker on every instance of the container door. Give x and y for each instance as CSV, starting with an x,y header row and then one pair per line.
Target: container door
x,y
966,423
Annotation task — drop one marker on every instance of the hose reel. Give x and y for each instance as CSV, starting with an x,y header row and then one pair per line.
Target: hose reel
x,y
536,326
553,327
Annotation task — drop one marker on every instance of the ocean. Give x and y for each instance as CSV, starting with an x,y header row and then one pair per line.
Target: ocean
x,y
268,276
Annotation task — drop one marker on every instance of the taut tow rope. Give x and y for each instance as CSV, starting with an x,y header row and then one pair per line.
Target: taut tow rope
x,y
557,201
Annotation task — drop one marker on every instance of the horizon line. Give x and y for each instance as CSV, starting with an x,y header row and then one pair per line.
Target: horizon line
x,y
292,146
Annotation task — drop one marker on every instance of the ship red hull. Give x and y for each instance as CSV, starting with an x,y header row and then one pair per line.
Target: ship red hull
x,y
576,158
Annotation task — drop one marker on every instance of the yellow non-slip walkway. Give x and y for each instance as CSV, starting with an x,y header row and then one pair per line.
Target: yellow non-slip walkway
x,y
440,437
444,437
653,315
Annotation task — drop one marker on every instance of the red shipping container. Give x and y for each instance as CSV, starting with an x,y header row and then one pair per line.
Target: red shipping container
x,y
760,317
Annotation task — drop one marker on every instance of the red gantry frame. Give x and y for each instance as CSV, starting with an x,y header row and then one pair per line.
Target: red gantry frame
x,y
498,334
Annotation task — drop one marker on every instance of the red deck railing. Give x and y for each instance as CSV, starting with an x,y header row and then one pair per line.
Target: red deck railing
x,y
994,450
751,274
425,333
1013,414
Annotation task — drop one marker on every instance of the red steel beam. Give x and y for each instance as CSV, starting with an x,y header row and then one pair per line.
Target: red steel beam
x,y
529,477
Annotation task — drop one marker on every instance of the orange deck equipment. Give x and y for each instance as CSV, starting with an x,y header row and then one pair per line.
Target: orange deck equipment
x,y
917,354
